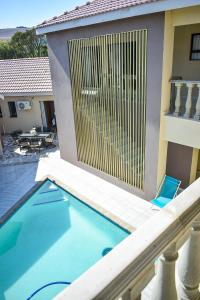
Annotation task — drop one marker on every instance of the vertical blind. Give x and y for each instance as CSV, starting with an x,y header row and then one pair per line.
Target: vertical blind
x,y
108,77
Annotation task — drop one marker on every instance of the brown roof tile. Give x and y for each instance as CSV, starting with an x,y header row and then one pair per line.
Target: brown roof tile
x,y
25,75
94,8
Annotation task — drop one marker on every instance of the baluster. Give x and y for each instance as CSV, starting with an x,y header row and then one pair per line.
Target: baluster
x,y
197,114
178,86
188,103
127,296
189,265
164,285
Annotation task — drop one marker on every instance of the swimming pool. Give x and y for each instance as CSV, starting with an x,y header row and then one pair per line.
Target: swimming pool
x,y
53,237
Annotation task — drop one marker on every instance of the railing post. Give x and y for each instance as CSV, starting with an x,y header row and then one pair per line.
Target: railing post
x,y
188,103
189,265
197,114
164,285
178,86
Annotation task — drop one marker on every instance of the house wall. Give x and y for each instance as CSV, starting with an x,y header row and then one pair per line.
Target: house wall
x,y
194,165
182,65
166,90
186,16
178,17
59,64
179,162
182,131
25,119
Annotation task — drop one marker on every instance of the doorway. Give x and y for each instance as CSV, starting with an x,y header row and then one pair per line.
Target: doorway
x,y
48,115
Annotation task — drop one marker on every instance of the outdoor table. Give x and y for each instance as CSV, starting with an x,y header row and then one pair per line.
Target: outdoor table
x,y
32,136
41,136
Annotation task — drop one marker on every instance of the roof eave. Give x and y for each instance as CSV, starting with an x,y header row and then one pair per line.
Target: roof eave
x,y
25,94
123,13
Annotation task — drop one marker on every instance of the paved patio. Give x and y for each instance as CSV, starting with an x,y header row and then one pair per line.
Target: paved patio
x,y
13,155
15,181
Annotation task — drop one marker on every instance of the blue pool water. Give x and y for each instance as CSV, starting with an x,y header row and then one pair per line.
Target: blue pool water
x,y
52,237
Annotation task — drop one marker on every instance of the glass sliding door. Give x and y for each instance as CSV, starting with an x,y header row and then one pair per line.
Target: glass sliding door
x,y
108,76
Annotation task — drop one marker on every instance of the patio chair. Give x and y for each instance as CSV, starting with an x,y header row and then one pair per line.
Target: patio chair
x,y
49,140
23,143
36,144
167,191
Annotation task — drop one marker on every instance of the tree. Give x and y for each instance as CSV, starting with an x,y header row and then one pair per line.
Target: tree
x,y
24,44
6,50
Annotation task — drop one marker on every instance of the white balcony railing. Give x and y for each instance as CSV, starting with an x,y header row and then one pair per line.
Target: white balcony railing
x,y
128,268
185,101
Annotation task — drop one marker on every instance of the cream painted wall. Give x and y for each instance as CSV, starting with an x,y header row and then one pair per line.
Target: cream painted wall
x,y
182,131
182,65
25,119
179,17
166,88
194,165
186,16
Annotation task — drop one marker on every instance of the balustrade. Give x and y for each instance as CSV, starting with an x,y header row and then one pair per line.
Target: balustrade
x,y
185,104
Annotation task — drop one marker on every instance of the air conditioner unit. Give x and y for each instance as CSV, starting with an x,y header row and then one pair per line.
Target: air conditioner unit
x,y
24,105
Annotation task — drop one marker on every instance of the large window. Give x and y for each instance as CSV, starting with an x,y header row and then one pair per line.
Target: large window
x,y
195,47
12,109
108,75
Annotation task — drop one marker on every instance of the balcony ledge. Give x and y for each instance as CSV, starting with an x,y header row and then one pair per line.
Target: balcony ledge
x,y
182,131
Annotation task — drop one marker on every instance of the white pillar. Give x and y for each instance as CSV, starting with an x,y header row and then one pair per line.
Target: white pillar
x,y
164,285
197,114
188,103
178,86
189,265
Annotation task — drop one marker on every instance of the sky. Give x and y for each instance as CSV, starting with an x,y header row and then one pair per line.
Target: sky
x,y
29,13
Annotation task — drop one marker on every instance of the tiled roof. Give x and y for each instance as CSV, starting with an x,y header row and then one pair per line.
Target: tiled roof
x,y
93,8
25,75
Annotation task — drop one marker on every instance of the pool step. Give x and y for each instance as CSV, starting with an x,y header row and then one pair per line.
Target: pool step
x,y
49,191
50,196
52,201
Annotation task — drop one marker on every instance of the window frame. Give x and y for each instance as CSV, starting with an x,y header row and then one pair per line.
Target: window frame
x,y
191,48
12,114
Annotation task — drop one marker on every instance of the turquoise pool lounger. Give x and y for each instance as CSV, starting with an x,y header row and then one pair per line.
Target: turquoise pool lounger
x,y
167,191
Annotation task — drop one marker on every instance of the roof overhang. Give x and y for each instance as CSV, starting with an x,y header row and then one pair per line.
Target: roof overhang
x,y
25,94
137,10
1,97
